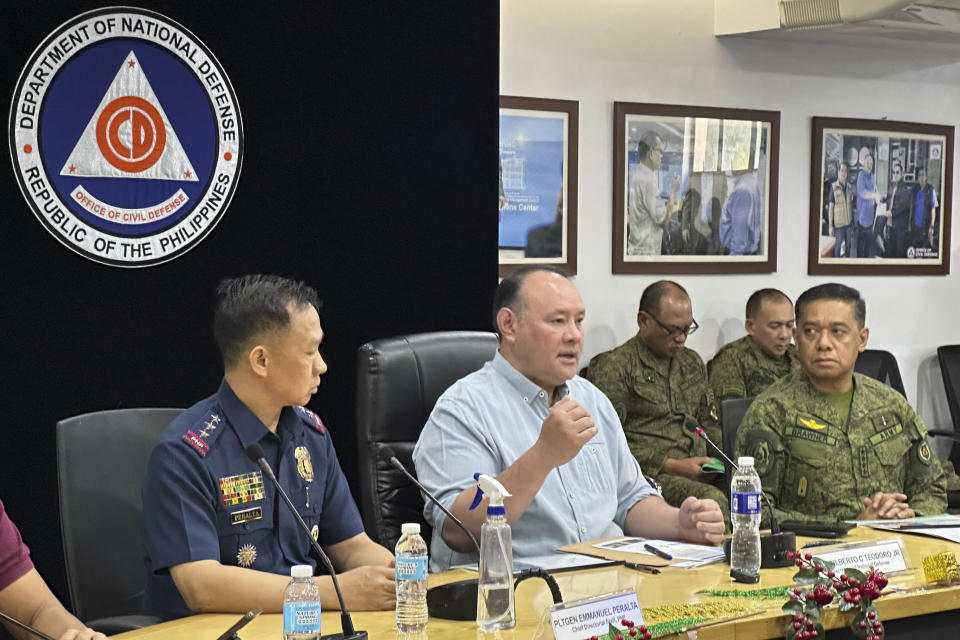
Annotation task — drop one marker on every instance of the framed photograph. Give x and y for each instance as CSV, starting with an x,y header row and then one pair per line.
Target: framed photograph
x,y
537,203
694,189
880,198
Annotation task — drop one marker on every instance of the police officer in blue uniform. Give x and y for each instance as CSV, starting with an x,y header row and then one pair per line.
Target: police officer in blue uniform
x,y
218,537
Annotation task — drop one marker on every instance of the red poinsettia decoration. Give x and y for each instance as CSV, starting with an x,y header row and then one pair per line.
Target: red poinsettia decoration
x,y
857,590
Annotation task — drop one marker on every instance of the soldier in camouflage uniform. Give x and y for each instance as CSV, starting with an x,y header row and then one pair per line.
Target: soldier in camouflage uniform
x,y
747,366
655,384
830,444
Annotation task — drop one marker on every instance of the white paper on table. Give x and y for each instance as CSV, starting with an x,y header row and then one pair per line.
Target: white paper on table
x,y
550,562
904,526
697,554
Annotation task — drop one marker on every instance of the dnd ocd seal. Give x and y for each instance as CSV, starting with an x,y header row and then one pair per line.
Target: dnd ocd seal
x,y
126,137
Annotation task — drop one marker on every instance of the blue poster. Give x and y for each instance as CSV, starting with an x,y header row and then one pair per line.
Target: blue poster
x,y
531,173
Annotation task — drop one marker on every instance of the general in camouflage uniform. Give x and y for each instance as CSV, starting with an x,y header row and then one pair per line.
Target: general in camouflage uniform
x,y
654,396
815,468
742,368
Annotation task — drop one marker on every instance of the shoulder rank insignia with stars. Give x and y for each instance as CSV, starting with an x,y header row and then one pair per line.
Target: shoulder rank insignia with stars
x,y
198,438
314,417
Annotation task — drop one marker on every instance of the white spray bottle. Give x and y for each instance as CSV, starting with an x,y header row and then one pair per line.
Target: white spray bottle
x,y
495,604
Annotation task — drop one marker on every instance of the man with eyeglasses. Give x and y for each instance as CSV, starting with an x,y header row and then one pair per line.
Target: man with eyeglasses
x,y
656,384
648,213
830,444
747,366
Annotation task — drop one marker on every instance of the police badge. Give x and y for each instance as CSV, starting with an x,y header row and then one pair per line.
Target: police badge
x,y
304,464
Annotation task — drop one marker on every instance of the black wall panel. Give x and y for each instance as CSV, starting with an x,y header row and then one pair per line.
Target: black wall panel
x,y
370,169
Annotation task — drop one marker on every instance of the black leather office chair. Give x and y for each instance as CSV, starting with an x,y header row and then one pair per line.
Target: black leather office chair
x,y
880,365
398,382
732,411
949,357
101,458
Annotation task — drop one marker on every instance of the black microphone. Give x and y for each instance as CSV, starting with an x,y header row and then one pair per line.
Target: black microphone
x,y
255,453
399,465
774,545
25,627
692,426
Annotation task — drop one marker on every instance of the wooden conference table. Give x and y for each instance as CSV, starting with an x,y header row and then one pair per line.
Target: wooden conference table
x,y
911,598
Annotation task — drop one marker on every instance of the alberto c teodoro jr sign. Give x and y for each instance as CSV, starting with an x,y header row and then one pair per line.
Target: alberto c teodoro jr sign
x,y
126,137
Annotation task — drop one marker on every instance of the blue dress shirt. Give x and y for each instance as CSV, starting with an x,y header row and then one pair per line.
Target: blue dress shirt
x,y
866,182
487,420
203,499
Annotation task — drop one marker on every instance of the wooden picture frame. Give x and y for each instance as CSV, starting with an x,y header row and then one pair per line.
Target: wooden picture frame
x,y
890,214
667,159
537,205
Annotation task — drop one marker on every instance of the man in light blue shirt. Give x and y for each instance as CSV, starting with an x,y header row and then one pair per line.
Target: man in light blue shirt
x,y
867,199
550,437
741,221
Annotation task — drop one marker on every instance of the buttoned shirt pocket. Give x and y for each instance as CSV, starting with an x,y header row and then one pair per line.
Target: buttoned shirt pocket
x,y
691,396
805,482
594,469
308,498
649,394
245,534
892,455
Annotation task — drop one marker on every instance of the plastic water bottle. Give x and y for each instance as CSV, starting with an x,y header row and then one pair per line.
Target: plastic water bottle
x,y
496,609
411,563
301,605
745,513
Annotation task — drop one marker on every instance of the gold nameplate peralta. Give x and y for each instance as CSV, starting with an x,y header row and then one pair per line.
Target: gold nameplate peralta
x,y
247,515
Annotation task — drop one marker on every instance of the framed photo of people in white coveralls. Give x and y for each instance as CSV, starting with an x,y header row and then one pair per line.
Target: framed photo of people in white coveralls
x,y
880,197
695,189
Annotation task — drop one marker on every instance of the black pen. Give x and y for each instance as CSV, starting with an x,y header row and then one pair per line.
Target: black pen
x,y
640,567
657,552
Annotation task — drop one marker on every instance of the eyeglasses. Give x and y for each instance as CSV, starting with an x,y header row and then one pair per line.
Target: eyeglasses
x,y
675,332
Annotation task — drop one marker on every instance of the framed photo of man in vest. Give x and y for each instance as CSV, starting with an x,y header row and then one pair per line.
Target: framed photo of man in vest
x,y
880,197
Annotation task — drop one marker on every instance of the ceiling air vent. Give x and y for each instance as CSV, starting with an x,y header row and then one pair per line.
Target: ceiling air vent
x,y
816,14
874,22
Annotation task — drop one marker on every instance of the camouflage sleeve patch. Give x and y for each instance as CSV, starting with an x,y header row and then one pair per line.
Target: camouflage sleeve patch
x,y
926,481
763,446
711,405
